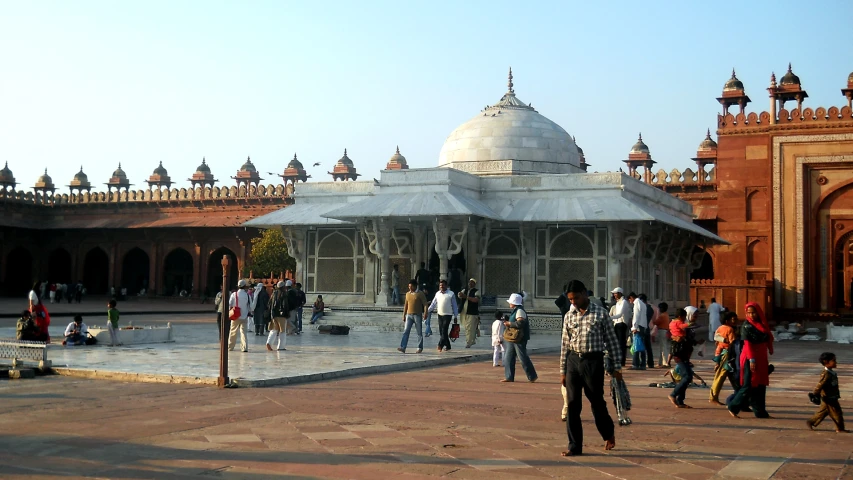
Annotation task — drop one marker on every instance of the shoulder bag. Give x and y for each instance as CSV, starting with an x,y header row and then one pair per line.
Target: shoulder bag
x,y
234,312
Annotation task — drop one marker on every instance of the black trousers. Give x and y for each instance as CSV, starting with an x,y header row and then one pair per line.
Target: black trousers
x,y
586,374
443,329
647,339
622,336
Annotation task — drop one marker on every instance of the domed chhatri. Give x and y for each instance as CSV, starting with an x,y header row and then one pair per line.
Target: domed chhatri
x,y
295,172
7,179
397,162
789,78
44,184
789,88
733,94
508,138
248,174
344,170
733,84
848,92
202,176
160,178
118,181
640,156
706,154
80,182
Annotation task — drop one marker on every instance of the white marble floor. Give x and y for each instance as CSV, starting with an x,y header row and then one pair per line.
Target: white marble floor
x,y
310,356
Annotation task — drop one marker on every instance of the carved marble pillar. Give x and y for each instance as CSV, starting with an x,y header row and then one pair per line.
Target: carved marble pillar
x,y
480,241
418,243
623,246
378,233
527,273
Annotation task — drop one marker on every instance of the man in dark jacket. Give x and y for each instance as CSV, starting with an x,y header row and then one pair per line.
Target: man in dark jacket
x,y
292,303
262,306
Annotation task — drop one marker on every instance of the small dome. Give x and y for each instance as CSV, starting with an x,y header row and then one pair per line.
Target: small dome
x,y
640,147
45,179
708,143
203,168
119,172
789,78
248,166
345,160
397,158
733,84
80,176
850,79
160,170
295,164
6,173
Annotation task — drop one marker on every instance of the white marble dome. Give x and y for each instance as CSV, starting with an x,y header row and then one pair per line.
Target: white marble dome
x,y
510,138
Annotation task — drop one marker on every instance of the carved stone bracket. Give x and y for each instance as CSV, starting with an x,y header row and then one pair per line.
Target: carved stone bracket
x,y
443,230
371,230
697,257
653,243
627,248
666,245
404,246
295,240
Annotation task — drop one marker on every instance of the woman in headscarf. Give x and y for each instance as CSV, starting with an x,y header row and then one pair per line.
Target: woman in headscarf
x,y
754,364
261,302
40,316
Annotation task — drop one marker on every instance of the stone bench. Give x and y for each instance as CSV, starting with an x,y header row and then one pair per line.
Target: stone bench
x,y
20,351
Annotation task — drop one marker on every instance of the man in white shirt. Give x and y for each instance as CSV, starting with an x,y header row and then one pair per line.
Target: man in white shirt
x,y
639,325
622,313
445,302
76,332
240,299
714,311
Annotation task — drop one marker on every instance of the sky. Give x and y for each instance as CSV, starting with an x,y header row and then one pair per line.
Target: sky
x,y
98,83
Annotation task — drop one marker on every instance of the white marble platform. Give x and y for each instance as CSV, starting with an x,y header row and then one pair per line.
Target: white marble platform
x,y
193,357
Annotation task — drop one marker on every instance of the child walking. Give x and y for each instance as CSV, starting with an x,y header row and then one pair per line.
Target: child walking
x,y
498,339
827,390
725,336
112,323
682,374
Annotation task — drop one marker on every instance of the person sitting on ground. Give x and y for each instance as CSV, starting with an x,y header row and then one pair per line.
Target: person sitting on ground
x,y
26,328
76,332
317,309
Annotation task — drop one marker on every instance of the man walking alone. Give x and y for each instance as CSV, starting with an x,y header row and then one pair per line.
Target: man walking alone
x,y
413,313
470,312
587,333
445,302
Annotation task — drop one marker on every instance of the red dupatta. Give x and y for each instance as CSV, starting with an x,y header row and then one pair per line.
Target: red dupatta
x,y
42,320
757,351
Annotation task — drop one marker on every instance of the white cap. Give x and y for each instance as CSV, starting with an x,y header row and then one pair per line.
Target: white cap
x,y
242,283
515,299
617,290
280,284
288,283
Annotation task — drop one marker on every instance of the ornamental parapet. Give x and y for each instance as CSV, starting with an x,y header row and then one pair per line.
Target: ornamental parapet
x,y
834,117
687,181
188,195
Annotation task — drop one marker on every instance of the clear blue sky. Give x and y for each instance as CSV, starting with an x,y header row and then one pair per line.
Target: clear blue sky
x,y
98,83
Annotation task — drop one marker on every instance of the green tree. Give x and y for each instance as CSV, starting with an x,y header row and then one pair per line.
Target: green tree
x,y
270,255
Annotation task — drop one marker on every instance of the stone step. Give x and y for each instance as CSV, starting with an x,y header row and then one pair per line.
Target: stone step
x,y
17,373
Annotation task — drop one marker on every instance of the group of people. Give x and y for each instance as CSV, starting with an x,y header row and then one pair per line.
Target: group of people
x,y
56,292
276,315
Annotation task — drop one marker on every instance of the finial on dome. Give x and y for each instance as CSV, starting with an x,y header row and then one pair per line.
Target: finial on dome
x,y
708,133
772,79
509,82
789,66
119,164
294,155
345,152
398,149
733,72
45,171
641,136
204,160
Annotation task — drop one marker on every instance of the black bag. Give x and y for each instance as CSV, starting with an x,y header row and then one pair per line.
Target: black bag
x,y
90,340
333,329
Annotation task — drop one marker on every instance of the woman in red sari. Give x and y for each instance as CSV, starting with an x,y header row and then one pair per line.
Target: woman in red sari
x,y
754,363
41,317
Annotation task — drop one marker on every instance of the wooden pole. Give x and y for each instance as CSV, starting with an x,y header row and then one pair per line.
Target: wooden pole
x,y
222,381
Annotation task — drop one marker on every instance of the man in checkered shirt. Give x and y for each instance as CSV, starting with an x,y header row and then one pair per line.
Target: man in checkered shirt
x,y
587,333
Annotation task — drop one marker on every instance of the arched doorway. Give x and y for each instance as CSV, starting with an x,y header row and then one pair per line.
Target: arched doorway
x,y
134,271
178,272
214,270
706,270
59,266
96,272
19,272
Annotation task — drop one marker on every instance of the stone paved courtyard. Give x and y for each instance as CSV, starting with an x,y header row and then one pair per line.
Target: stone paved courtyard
x,y
454,421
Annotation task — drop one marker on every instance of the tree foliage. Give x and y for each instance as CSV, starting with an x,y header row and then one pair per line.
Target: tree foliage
x,y
270,255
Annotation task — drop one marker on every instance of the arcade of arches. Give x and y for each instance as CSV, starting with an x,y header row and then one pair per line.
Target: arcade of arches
x,y
156,261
